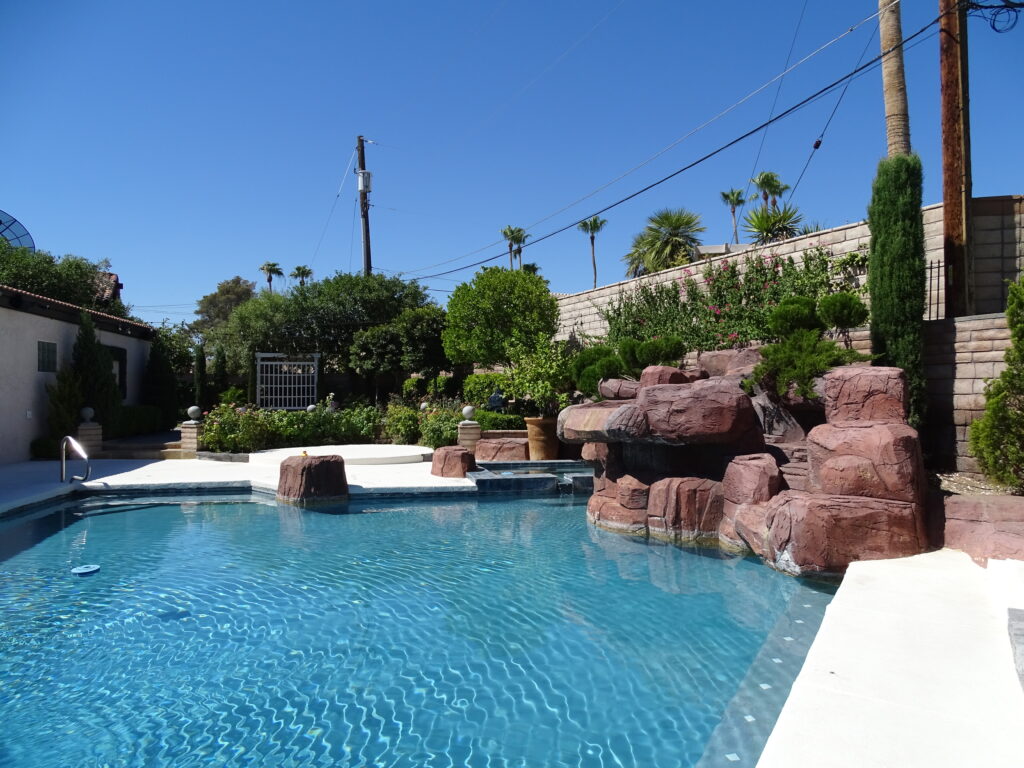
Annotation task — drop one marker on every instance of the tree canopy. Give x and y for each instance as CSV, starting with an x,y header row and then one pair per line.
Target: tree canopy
x,y
499,310
215,308
670,238
73,279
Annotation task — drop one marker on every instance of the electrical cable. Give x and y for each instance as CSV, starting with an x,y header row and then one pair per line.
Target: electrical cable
x,y
775,102
821,135
785,113
669,147
323,232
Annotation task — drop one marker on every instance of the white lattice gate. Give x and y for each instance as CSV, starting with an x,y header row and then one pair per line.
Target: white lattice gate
x,y
286,382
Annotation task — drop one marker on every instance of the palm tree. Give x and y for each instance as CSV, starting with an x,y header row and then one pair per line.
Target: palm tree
x,y
302,273
669,239
734,199
591,227
769,225
515,236
271,269
769,187
894,84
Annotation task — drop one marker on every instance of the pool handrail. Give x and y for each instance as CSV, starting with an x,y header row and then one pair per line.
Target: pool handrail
x,y
77,447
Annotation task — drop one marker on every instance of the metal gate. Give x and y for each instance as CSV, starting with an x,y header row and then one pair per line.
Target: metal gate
x,y
286,382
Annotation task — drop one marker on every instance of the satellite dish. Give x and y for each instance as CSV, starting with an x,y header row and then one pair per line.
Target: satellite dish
x,y
14,232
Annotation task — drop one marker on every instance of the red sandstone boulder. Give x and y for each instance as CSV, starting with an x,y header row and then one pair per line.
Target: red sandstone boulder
x,y
725,361
618,389
631,493
609,421
706,411
776,421
311,479
608,513
813,533
986,526
750,522
668,374
503,449
864,393
452,461
751,479
685,507
881,461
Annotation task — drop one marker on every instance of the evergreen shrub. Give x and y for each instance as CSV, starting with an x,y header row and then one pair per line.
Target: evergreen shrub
x,y
896,274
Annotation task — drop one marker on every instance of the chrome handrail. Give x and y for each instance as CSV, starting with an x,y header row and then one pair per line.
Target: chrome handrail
x,y
77,447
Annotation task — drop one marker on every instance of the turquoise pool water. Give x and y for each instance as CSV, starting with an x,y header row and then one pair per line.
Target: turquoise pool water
x,y
439,633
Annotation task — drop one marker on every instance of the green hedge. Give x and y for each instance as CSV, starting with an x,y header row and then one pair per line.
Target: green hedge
x,y
500,421
246,430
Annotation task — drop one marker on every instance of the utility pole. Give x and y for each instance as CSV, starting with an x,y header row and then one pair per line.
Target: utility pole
x,y
956,158
364,203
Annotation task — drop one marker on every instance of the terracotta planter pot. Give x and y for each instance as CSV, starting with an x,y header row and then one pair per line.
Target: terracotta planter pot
x,y
543,436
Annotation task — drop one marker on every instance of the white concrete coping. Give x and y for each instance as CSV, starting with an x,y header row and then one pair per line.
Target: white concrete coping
x,y
912,667
352,454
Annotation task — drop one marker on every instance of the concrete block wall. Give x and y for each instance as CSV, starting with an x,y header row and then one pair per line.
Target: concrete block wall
x,y
998,249
960,355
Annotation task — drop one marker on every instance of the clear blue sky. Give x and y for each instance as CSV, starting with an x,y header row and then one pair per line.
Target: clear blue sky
x,y
191,141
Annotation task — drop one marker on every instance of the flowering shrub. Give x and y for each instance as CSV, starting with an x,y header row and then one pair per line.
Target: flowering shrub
x,y
730,309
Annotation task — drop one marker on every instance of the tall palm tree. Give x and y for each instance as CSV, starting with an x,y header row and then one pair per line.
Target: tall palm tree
x,y
515,236
769,187
271,269
894,84
302,273
591,227
669,239
734,199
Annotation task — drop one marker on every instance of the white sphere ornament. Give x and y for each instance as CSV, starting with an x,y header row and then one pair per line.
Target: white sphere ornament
x,y
87,413
468,412
423,405
195,412
310,408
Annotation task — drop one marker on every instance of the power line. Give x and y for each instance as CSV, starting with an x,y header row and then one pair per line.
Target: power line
x,y
821,135
323,232
670,146
794,108
775,101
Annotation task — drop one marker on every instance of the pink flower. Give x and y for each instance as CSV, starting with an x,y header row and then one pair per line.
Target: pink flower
x,y
734,335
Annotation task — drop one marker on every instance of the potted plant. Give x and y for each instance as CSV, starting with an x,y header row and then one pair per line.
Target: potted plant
x,y
541,380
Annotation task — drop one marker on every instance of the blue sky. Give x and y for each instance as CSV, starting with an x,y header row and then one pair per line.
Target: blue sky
x,y
188,142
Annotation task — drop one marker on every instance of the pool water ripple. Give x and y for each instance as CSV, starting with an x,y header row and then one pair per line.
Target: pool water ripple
x,y
467,633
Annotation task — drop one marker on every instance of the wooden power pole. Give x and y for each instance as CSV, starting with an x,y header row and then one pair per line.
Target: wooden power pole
x,y
364,203
956,158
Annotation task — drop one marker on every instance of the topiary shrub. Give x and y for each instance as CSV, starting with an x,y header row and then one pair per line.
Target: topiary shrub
x,y
444,386
159,383
414,388
796,361
794,313
402,424
627,359
200,390
997,438
842,311
94,369
65,404
896,274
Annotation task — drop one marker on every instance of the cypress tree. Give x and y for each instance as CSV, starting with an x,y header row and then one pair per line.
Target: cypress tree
x,y
93,367
160,384
220,371
200,390
896,274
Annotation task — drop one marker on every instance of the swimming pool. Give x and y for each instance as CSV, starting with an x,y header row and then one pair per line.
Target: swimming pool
x,y
440,633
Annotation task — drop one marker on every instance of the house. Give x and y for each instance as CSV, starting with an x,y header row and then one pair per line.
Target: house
x,y
37,335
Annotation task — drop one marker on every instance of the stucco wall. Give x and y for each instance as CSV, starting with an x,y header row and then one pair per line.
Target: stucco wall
x,y
23,412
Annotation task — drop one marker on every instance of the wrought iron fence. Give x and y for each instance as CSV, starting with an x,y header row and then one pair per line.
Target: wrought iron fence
x,y
286,382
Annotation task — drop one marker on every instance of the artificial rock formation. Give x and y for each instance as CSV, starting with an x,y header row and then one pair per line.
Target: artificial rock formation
x,y
687,461
307,480
452,461
502,449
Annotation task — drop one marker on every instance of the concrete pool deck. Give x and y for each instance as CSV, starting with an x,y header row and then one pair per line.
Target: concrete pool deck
x,y
912,665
